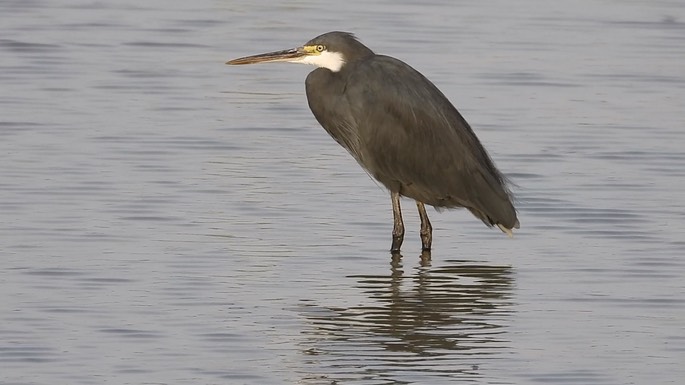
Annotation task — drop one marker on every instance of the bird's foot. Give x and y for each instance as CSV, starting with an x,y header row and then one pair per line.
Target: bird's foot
x,y
426,239
425,258
397,237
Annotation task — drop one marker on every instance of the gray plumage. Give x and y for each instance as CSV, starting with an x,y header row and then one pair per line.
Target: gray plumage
x,y
406,134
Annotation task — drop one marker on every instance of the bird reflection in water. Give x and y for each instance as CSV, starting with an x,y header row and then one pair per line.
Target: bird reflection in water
x,y
442,321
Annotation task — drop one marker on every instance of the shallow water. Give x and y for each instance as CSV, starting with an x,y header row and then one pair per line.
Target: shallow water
x,y
170,219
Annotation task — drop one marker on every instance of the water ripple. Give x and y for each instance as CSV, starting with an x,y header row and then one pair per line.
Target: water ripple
x,y
434,322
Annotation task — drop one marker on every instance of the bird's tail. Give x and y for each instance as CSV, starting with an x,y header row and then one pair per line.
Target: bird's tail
x,y
492,203
507,230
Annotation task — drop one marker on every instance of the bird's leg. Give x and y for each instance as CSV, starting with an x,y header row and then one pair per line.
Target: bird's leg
x,y
398,225
426,228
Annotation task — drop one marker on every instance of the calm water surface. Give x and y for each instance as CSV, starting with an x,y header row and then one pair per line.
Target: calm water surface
x,y
167,219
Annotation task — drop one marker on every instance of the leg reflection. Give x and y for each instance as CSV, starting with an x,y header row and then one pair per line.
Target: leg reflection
x,y
456,312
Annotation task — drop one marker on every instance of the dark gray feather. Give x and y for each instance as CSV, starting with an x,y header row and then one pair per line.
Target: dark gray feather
x,y
408,136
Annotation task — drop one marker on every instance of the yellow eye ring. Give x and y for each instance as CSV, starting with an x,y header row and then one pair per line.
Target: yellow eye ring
x,y
320,48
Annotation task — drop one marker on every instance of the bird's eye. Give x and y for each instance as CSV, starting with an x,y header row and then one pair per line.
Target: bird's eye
x,y
320,48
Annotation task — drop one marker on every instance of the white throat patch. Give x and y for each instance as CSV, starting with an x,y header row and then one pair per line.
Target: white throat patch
x,y
330,60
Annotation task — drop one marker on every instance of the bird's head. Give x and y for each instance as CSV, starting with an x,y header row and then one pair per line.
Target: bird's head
x,y
330,50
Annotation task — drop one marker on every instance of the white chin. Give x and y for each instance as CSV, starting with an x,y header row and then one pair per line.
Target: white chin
x,y
330,60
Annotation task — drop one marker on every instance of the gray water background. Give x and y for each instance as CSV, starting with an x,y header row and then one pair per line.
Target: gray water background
x,y
167,219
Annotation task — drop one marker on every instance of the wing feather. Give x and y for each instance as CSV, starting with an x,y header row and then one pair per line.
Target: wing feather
x,y
408,136
413,140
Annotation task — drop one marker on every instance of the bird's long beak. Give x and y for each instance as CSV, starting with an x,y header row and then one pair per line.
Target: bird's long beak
x,y
285,55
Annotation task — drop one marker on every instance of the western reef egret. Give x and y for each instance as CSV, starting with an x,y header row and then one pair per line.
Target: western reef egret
x,y
401,129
